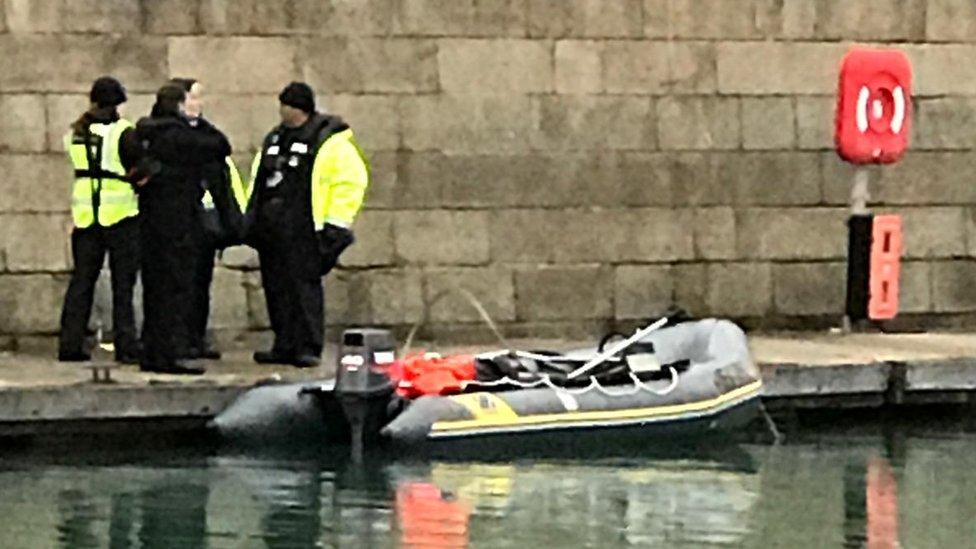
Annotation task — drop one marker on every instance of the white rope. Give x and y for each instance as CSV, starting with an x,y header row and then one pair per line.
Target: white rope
x,y
545,380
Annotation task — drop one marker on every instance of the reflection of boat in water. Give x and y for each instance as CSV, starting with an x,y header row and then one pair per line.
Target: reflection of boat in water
x,y
648,504
691,379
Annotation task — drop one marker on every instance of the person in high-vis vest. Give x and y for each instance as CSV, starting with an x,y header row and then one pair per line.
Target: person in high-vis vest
x,y
221,210
104,210
308,184
168,204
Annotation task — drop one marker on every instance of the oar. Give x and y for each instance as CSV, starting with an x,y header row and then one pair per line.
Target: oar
x,y
605,355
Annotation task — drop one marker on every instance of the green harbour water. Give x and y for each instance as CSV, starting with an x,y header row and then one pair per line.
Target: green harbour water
x,y
885,485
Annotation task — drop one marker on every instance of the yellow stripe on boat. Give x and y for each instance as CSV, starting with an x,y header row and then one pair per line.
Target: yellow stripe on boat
x,y
497,415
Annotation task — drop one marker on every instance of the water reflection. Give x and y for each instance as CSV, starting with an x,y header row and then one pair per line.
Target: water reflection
x,y
824,491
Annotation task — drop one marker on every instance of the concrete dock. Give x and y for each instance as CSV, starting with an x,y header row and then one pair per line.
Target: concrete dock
x,y
802,371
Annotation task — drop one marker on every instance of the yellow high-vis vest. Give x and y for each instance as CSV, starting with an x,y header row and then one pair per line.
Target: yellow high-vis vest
x,y
100,183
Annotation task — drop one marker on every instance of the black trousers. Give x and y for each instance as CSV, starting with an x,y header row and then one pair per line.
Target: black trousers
x,y
199,310
296,303
167,285
88,248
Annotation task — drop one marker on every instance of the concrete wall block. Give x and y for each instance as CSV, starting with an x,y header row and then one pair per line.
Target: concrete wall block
x,y
172,16
595,122
442,237
495,66
360,18
432,180
772,179
876,20
932,232
347,301
24,16
588,18
768,123
727,19
623,179
655,235
950,21
69,63
564,293
942,69
815,122
384,186
31,303
374,119
245,119
451,18
20,126
921,178
761,68
374,244
953,290
945,123
579,66
396,296
469,124
240,258
228,300
926,178
698,123
236,64
971,231
637,67
640,292
915,287
380,65
807,289
35,183
700,179
555,236
493,288
738,289
691,287
714,233
692,67
34,242
257,308
819,233
101,16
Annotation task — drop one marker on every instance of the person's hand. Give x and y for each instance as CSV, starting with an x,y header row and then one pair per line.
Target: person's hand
x,y
333,240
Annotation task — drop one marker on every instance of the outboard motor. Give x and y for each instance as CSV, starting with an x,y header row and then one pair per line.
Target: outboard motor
x,y
363,386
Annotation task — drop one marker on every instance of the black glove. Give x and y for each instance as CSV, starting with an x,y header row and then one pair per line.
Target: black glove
x,y
333,241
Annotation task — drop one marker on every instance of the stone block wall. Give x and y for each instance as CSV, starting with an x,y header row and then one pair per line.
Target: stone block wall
x,y
576,164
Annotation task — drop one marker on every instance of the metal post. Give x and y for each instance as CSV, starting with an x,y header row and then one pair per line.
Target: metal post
x,y
860,195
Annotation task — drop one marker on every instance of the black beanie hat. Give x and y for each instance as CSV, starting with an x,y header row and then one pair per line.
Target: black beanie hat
x,y
107,92
298,95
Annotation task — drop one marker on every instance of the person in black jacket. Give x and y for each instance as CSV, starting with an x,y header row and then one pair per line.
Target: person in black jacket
x,y
220,218
175,153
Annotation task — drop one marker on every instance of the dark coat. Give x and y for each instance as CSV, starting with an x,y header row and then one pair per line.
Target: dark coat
x,y
175,157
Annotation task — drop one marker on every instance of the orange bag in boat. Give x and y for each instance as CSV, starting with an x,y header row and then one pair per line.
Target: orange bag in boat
x,y
431,374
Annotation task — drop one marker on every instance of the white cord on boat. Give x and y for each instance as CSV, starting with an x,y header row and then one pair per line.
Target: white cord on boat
x,y
594,384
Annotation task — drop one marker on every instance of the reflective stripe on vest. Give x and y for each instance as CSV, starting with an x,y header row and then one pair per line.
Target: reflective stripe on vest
x,y
101,187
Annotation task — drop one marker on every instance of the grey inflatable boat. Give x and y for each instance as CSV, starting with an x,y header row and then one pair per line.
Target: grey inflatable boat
x,y
692,379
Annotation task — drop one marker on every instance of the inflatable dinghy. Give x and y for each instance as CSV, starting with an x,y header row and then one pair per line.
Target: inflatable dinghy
x,y
691,379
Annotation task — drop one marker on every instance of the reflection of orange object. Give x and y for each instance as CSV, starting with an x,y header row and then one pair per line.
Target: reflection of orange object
x,y
423,374
885,264
882,506
428,519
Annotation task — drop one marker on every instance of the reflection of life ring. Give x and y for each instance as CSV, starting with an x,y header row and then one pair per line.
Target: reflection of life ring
x,y
882,506
429,518
873,106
